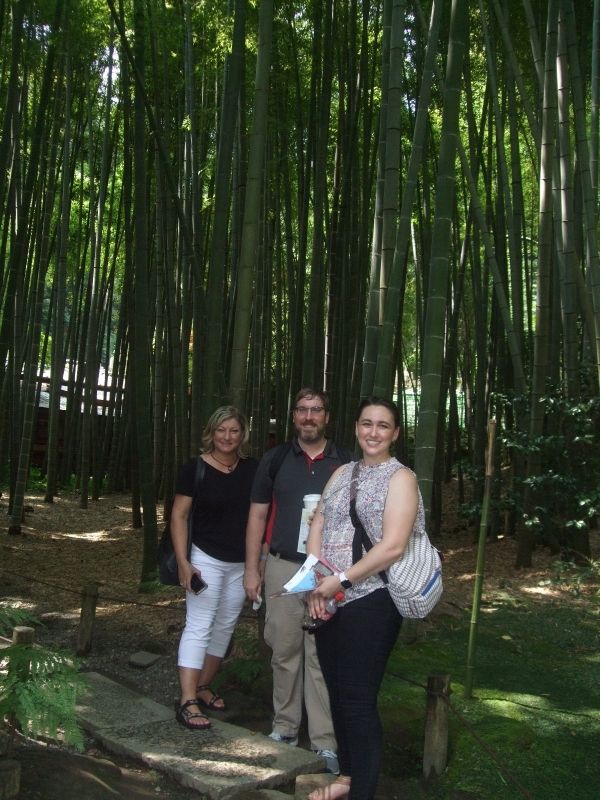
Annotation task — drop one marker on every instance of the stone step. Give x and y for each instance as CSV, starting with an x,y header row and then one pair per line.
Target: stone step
x,y
224,762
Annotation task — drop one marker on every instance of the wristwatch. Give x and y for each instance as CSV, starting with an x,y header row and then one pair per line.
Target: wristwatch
x,y
346,584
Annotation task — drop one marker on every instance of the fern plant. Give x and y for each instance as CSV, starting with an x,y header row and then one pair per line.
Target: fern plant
x,y
38,686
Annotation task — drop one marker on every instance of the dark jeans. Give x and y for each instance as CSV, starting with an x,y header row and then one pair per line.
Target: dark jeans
x,y
353,649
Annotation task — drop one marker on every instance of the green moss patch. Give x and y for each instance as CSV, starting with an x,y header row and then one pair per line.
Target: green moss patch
x,y
536,705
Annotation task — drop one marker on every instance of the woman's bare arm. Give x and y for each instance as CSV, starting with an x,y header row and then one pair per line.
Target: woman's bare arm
x,y
398,520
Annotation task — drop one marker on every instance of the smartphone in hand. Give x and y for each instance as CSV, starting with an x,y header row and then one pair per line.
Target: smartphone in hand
x,y
197,585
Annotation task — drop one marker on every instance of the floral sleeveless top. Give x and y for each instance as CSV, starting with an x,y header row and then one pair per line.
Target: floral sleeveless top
x,y
338,530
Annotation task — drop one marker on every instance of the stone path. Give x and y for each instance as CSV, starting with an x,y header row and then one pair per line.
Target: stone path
x,y
224,762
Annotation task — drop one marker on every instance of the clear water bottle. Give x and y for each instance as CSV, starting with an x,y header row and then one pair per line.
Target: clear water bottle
x,y
310,624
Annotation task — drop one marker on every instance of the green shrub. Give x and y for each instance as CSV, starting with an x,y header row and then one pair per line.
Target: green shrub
x,y
38,686
566,488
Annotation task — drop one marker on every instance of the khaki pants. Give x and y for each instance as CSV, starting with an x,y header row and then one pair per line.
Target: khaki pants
x,y
297,675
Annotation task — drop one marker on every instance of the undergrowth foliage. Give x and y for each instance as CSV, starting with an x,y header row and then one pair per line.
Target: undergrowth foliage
x,y
9,617
569,482
38,686
567,486
581,580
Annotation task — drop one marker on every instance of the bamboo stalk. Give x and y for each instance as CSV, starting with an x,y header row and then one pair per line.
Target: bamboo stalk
x,y
480,566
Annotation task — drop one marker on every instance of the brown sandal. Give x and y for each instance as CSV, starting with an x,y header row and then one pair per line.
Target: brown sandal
x,y
210,704
184,716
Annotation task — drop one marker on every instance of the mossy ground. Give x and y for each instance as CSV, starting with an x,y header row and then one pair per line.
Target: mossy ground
x,y
536,704
532,727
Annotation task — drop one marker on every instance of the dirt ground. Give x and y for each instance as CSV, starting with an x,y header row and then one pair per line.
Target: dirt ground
x,y
64,548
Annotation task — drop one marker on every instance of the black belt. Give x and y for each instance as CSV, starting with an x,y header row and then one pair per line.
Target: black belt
x,y
298,559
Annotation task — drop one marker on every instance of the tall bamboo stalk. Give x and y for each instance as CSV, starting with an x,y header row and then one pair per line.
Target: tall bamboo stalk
x,y
480,565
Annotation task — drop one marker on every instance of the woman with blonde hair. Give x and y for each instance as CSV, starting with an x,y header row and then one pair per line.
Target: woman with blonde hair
x,y
220,510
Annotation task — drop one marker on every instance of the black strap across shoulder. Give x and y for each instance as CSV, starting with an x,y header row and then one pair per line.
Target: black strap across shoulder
x,y
199,475
167,563
278,459
198,478
361,538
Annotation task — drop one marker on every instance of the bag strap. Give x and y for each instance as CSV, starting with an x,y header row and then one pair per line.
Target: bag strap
x,y
361,538
278,459
198,476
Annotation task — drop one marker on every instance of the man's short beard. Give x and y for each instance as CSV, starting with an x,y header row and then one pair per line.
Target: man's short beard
x,y
310,434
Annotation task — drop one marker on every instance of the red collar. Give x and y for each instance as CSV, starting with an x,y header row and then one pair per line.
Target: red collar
x,y
310,460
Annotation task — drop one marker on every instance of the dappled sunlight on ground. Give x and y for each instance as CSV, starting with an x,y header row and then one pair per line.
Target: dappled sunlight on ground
x,y
91,536
73,546
70,547
542,591
592,658
532,700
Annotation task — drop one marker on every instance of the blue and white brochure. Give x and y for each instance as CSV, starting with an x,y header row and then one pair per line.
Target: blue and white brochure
x,y
307,577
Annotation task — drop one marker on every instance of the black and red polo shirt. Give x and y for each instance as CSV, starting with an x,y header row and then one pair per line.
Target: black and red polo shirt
x,y
298,475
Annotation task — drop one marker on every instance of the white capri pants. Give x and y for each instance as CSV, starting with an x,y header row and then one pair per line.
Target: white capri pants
x,y
211,615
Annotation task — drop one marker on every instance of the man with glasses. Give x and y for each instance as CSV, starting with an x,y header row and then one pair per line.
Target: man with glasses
x,y
285,474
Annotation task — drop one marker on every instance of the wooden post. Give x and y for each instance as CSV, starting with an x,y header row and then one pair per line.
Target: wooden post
x,y
435,752
22,634
89,598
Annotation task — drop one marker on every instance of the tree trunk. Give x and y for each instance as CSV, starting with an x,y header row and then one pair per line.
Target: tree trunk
x,y
250,233
435,317
141,348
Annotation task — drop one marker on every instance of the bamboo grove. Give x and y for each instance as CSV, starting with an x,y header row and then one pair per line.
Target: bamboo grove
x,y
204,202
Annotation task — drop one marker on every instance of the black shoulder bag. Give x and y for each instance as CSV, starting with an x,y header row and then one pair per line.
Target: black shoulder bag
x,y
168,572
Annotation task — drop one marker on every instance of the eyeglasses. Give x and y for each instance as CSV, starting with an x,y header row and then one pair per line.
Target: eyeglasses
x,y
304,411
